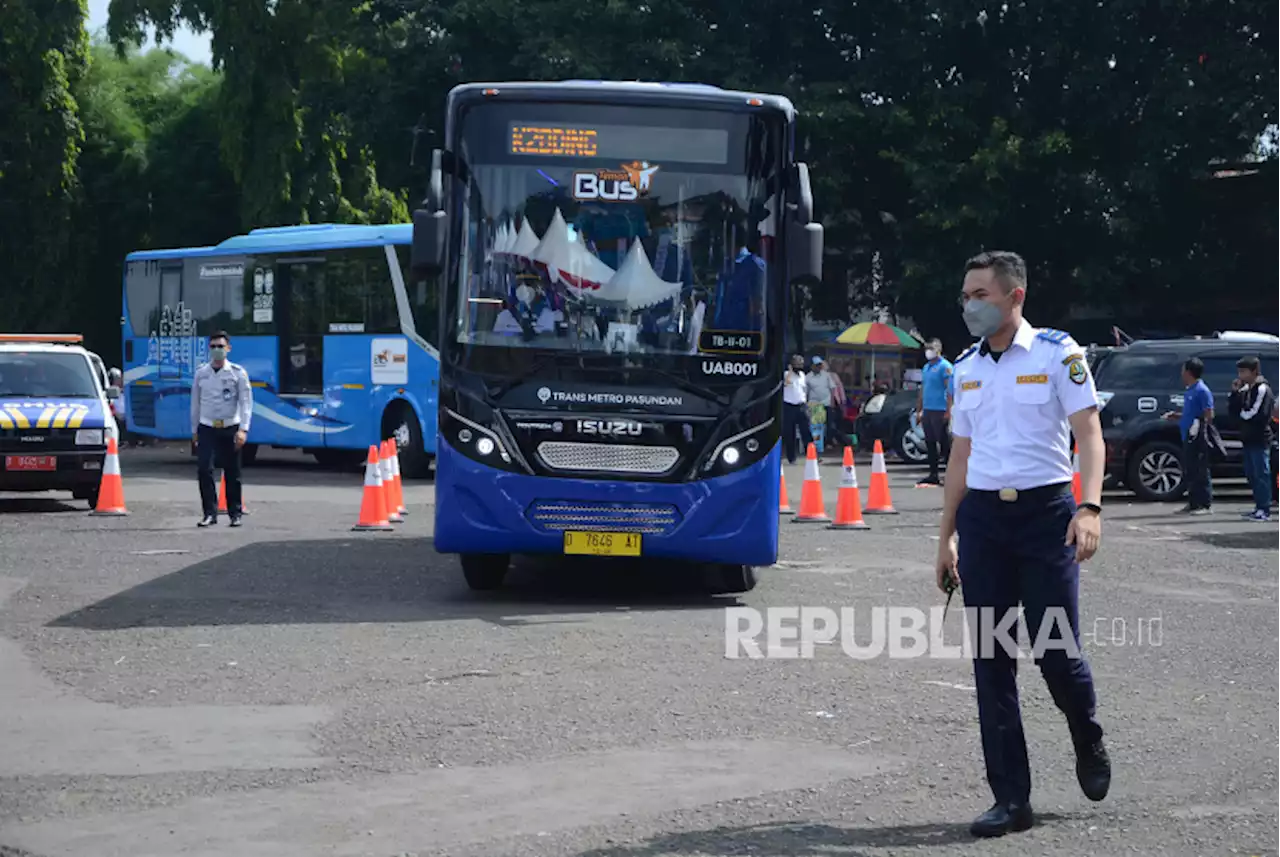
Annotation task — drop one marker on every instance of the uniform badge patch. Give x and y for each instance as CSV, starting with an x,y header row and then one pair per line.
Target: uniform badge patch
x,y
1077,371
1033,379
970,385
1071,357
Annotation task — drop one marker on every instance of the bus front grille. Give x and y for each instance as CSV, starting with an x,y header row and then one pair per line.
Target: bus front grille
x,y
608,457
554,516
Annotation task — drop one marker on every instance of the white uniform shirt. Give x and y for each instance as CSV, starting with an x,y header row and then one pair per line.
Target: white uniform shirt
x,y
1015,411
221,397
797,391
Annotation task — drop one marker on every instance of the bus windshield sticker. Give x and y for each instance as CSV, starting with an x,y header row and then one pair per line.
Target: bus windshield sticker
x,y
627,184
731,342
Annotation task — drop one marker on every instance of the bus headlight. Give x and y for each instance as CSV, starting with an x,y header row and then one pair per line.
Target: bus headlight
x,y
730,455
89,437
485,446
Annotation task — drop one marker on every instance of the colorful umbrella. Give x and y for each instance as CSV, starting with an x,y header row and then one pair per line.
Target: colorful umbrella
x,y
877,333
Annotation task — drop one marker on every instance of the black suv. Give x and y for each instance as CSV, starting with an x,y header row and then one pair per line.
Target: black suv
x,y
1140,382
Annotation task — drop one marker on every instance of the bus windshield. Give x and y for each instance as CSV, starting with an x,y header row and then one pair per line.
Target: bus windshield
x,y
616,230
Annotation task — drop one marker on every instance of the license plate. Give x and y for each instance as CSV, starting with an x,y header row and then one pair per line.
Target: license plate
x,y
30,462
602,544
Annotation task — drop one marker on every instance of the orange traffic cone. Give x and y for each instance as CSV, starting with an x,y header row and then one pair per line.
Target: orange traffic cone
x,y
222,496
395,471
878,500
811,507
111,487
848,504
373,515
1077,488
388,484
784,504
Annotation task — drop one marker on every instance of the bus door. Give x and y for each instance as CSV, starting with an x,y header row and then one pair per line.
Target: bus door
x,y
299,310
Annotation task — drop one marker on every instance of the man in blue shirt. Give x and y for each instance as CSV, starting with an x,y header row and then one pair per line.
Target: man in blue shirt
x,y
933,409
1196,418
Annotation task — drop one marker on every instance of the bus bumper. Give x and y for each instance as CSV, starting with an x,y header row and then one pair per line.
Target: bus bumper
x,y
728,519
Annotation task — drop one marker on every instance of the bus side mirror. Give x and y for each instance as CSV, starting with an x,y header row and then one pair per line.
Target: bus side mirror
x,y
804,237
805,252
113,393
431,223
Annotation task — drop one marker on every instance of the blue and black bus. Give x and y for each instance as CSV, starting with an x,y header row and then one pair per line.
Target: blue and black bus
x,y
615,263
326,320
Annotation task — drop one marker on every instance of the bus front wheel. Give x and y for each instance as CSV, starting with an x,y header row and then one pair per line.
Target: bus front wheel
x,y
730,579
402,423
485,571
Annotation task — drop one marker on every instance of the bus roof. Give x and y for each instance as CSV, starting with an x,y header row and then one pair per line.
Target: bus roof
x,y
636,91
289,239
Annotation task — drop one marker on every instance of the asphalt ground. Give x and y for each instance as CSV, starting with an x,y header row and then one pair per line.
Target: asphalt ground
x,y
296,688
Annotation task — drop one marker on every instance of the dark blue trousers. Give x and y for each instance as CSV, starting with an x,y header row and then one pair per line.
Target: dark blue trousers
x,y
1012,553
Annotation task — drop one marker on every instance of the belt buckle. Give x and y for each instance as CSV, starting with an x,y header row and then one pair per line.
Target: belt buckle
x,y
217,423
1009,495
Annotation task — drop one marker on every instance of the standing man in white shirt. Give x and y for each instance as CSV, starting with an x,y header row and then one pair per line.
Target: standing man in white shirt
x,y
221,407
1020,394
795,409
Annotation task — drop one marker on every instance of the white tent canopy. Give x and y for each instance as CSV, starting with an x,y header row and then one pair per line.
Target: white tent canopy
x,y
636,286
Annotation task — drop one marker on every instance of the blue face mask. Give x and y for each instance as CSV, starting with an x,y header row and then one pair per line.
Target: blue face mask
x,y
982,317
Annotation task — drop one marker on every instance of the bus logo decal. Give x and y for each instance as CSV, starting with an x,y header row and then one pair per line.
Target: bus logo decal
x,y
626,184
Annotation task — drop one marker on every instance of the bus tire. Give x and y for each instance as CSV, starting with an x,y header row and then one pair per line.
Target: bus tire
x,y
485,571
401,422
730,579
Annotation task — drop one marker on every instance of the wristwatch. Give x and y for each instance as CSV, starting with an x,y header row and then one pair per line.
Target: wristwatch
x,y
1093,507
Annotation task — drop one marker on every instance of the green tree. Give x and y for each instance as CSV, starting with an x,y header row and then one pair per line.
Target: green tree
x,y
43,53
287,134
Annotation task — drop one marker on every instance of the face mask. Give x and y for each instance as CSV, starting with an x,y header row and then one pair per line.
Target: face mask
x,y
218,353
982,318
929,354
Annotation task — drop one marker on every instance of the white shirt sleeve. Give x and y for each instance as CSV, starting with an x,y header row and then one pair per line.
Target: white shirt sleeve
x,y
246,400
195,401
1072,380
961,425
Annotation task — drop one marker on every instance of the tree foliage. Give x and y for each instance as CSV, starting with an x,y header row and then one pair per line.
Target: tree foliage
x,y
1078,134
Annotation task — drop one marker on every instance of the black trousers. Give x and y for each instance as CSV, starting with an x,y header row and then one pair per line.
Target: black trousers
x,y
936,438
217,446
1195,469
1011,554
795,418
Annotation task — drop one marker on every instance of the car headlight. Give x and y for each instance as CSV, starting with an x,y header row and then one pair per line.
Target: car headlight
x,y
89,437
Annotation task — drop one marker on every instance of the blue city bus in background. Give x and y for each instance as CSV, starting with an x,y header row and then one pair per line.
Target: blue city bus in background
x,y
325,318
614,260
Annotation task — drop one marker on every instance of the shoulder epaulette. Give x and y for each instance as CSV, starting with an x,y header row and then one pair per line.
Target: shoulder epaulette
x,y
972,349
1057,337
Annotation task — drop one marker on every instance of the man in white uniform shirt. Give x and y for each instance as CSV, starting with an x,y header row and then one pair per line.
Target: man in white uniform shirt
x,y
795,409
1020,394
221,406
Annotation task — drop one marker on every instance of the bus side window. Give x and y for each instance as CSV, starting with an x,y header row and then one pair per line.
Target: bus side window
x,y
360,296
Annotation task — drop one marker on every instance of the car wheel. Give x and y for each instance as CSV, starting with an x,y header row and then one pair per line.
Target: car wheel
x,y
1155,472
909,448
485,571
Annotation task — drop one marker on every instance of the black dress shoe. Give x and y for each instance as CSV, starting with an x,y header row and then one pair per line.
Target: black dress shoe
x,y
1002,819
208,521
235,520
1093,770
